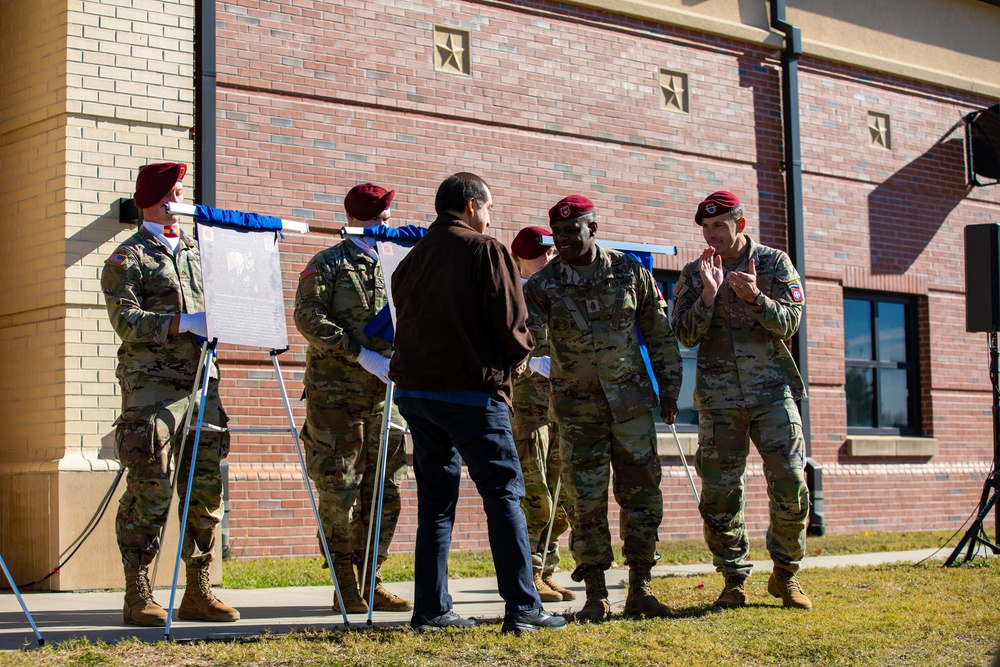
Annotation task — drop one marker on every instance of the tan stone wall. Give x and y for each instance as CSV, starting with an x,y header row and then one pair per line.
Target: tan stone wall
x,y
91,92
946,42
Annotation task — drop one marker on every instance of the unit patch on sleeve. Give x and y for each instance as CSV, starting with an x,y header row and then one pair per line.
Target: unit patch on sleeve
x,y
795,290
118,259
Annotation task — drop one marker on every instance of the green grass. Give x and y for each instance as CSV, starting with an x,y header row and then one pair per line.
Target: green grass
x,y
462,564
888,615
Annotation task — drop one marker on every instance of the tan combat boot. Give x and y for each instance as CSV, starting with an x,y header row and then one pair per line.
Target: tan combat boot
x,y
597,607
784,585
640,600
383,600
545,592
734,593
198,603
550,581
140,607
353,602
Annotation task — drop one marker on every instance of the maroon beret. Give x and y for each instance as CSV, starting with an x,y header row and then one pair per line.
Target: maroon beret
x,y
155,181
715,204
367,200
527,244
570,207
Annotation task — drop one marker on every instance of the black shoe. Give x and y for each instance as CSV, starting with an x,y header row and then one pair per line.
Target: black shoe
x,y
531,620
449,619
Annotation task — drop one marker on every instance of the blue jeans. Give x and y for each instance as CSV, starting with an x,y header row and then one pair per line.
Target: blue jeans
x,y
442,432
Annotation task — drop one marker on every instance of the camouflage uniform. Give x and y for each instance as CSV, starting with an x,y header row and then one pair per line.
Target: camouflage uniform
x,y
746,386
340,291
536,439
144,286
603,397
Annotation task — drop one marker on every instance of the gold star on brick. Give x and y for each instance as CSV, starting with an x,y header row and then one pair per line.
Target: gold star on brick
x,y
673,92
452,53
878,130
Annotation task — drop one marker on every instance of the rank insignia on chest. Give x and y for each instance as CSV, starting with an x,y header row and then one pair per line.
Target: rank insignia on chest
x,y
593,306
118,259
798,296
308,272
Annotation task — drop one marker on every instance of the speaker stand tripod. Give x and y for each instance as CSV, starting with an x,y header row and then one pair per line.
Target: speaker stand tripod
x,y
976,535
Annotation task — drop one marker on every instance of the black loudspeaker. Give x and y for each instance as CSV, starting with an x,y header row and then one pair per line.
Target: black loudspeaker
x,y
982,278
984,137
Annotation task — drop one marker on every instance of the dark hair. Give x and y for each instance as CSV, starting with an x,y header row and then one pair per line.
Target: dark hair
x,y
458,189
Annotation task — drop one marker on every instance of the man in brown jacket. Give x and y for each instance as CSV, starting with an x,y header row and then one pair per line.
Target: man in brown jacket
x,y
461,333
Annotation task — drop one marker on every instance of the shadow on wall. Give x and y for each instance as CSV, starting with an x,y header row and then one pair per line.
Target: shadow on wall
x,y
764,80
907,209
90,238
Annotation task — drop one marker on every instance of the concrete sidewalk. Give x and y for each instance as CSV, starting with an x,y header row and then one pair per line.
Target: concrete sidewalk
x,y
98,615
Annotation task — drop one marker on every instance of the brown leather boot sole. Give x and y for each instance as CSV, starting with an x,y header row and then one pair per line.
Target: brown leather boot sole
x,y
145,619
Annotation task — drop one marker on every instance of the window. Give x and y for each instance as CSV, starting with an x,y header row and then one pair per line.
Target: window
x,y
880,360
687,416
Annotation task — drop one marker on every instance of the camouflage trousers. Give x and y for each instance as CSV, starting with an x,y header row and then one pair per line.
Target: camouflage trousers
x,y
590,452
537,448
341,437
723,445
147,438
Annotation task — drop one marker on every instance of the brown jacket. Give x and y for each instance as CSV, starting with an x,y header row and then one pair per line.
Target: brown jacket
x,y
461,321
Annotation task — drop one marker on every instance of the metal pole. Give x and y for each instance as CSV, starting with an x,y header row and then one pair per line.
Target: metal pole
x,y
187,495
17,594
680,452
552,518
305,477
796,238
187,429
373,538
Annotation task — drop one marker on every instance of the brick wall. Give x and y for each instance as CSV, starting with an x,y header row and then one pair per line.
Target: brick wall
x,y
315,97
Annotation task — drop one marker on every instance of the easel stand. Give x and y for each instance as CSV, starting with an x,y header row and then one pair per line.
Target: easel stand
x,y
208,354
24,607
976,535
375,520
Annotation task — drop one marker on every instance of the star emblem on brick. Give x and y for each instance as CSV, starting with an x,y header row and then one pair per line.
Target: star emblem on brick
x,y
878,130
672,89
451,52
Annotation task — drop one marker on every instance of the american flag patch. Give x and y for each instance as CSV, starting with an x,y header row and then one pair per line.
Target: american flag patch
x,y
118,259
308,272
798,296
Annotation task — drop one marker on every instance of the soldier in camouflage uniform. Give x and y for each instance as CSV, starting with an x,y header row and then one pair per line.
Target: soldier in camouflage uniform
x,y
739,303
536,438
593,303
340,291
153,289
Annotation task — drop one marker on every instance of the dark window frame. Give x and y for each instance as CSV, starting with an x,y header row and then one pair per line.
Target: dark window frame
x,y
666,281
911,364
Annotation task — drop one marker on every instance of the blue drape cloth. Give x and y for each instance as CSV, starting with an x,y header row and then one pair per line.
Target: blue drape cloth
x,y
404,233
229,218
381,325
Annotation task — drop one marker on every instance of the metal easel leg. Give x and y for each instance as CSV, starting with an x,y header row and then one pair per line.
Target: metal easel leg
x,y
552,518
379,492
680,452
205,379
195,390
24,607
305,476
